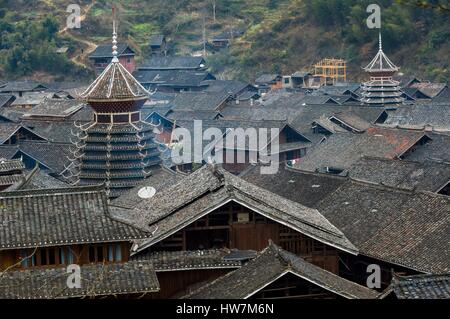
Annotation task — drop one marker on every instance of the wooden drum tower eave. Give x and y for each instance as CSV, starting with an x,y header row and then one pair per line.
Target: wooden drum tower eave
x,y
381,89
116,148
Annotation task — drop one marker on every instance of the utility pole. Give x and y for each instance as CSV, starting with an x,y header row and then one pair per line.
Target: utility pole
x,y
214,11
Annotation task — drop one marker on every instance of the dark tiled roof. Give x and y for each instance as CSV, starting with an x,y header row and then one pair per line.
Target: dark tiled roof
x,y
8,151
12,114
438,149
398,226
338,90
406,80
54,131
267,78
52,155
22,86
342,150
427,176
193,115
9,129
415,93
346,99
173,78
226,126
430,89
228,86
443,97
189,260
270,265
172,63
302,187
260,113
420,116
306,115
156,40
160,179
5,98
42,218
105,51
6,130
55,108
422,287
30,99
192,198
39,179
318,100
199,101
351,120
326,123
395,225
96,280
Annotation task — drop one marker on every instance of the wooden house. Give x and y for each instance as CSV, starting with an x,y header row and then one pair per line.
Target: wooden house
x,y
371,206
41,238
224,39
158,45
278,274
102,56
267,82
19,88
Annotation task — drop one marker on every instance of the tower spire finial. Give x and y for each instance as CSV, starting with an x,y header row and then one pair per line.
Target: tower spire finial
x,y
380,41
114,37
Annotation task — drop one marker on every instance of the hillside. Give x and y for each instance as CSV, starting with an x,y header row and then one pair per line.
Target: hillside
x,y
280,35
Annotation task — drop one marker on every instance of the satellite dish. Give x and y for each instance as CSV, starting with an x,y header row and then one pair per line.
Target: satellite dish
x,y
147,192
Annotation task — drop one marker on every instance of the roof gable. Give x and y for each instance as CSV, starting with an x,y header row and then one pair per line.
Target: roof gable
x,y
397,226
341,150
270,265
105,51
210,188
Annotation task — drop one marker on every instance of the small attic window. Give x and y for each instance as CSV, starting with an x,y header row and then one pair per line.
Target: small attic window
x,y
147,192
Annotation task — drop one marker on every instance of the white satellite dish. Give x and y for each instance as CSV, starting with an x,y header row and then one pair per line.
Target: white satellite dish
x,y
146,192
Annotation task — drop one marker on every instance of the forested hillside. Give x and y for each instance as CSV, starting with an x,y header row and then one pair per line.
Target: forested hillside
x,y
280,35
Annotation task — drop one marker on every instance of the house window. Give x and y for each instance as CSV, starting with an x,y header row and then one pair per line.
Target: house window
x,y
52,256
105,253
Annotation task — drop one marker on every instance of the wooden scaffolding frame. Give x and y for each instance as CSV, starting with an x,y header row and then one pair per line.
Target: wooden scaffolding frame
x,y
331,69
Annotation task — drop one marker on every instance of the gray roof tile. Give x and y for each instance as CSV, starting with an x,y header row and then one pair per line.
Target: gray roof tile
x,y
422,287
96,280
43,218
271,264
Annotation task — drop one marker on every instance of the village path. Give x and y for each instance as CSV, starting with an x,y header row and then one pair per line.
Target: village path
x,y
90,46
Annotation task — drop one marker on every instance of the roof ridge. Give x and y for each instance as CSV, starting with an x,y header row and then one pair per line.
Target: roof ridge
x,y
53,191
332,231
301,171
394,188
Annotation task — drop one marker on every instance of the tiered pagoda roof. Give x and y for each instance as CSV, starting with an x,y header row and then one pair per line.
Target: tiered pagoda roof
x,y
117,148
115,84
381,89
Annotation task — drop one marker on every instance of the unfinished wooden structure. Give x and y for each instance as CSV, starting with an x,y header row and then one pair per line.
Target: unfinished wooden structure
x,y
331,71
